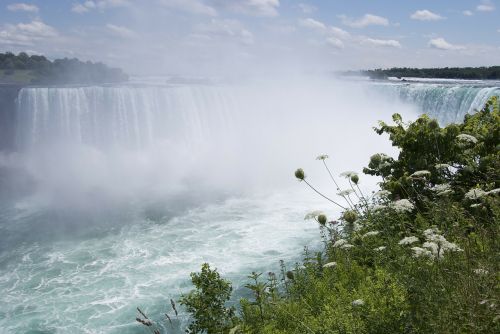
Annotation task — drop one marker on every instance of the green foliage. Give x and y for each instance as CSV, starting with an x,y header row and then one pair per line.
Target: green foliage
x,y
60,71
206,303
422,256
484,73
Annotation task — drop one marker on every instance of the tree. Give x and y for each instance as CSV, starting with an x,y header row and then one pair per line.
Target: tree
x,y
206,303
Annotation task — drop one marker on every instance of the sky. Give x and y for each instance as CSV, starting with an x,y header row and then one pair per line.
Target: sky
x,y
217,37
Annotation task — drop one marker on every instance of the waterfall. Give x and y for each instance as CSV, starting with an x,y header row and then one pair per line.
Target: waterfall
x,y
449,103
129,116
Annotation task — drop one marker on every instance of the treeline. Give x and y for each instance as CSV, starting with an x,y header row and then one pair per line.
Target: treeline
x,y
479,73
60,71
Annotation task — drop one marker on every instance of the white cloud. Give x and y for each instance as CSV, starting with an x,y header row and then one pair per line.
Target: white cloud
x,y
86,6
26,34
190,6
467,13
306,8
441,44
224,29
392,43
340,33
23,7
335,42
121,31
366,20
312,24
251,7
426,15
486,6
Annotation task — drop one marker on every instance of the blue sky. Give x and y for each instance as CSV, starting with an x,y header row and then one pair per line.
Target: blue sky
x,y
237,36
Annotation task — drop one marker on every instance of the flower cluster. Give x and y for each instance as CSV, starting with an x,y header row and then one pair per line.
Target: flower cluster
x,y
403,205
420,174
465,138
408,241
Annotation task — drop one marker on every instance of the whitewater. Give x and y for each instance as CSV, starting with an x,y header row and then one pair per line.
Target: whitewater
x,y
111,195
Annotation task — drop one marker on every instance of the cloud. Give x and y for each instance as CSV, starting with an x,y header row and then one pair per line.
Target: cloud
x,y
89,5
26,34
392,43
312,24
366,20
426,15
441,44
223,29
335,42
467,13
22,7
307,8
121,31
251,7
190,6
486,6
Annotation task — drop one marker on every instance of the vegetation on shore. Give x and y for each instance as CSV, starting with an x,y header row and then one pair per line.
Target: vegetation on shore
x,y
475,73
35,69
421,255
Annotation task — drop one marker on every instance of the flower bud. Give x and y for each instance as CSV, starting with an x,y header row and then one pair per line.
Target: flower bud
x,y
350,216
322,219
299,174
355,179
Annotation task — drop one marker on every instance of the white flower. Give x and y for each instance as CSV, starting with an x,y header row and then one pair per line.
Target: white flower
x,y
382,193
480,271
346,192
475,193
403,205
465,138
438,244
330,264
442,166
408,241
420,252
379,249
441,187
358,302
494,191
370,234
431,231
348,174
346,246
444,193
476,205
313,214
378,207
340,242
421,173
322,157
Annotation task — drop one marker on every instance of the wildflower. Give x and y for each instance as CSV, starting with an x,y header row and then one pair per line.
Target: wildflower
x,y
379,249
299,174
421,252
465,138
444,193
346,192
340,242
438,244
330,265
382,193
370,234
494,191
346,246
322,157
350,216
358,302
355,179
475,193
421,173
348,174
481,272
476,205
322,219
313,214
431,231
403,205
378,207
441,187
442,166
408,240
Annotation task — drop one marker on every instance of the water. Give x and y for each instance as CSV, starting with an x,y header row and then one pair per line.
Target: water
x,y
112,195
